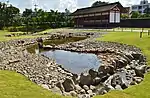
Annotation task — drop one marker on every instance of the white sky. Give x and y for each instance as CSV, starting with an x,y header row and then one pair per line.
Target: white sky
x,y
60,5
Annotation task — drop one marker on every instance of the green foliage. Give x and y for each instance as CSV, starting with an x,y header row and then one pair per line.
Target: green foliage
x,y
98,3
135,14
147,11
38,18
7,13
124,16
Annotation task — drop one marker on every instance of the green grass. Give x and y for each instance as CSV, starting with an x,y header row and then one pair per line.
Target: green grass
x,y
14,85
139,91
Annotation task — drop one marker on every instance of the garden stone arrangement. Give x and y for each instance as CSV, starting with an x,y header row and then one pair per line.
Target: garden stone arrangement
x,y
122,65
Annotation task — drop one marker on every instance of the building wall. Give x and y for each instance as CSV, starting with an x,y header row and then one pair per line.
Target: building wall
x,y
141,7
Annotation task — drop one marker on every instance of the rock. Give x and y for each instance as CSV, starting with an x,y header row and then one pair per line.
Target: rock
x,y
138,56
133,83
66,94
85,79
93,73
75,78
68,85
85,87
93,88
96,81
78,88
56,90
60,85
118,87
106,69
45,86
73,93
139,73
138,79
90,92
101,91
142,68
84,96
82,91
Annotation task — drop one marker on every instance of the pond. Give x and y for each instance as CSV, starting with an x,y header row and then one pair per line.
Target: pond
x,y
72,61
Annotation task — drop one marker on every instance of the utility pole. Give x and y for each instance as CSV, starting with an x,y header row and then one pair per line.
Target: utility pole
x,y
35,17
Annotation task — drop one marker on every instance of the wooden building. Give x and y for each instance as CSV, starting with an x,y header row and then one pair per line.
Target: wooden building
x,y
99,16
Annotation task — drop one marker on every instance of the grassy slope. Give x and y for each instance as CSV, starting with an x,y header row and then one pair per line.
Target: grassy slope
x,y
138,91
14,85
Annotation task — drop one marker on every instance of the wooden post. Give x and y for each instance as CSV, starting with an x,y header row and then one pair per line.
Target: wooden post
x,y
142,29
141,34
131,30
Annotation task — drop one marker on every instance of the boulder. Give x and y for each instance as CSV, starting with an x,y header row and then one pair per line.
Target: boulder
x,y
85,79
68,85
93,73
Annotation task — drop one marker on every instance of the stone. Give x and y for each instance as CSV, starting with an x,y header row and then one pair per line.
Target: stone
x,y
93,88
85,87
66,94
78,88
73,93
101,91
138,79
82,91
60,85
96,81
90,92
56,90
139,73
45,86
84,96
118,87
85,79
68,85
93,73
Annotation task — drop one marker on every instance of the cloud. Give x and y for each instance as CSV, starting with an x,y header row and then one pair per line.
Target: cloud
x,y
69,4
61,5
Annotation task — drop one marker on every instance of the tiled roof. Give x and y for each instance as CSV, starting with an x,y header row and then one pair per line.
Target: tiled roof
x,y
96,9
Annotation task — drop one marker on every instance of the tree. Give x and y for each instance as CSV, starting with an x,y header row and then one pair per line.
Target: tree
x,y
135,14
99,3
27,12
124,16
147,11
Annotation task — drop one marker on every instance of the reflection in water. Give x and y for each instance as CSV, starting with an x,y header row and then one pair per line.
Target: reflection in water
x,y
37,51
73,61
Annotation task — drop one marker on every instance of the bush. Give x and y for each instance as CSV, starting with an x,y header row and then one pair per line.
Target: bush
x,y
12,29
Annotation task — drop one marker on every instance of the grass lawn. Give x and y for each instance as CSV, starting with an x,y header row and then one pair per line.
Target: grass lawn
x,y
14,85
139,91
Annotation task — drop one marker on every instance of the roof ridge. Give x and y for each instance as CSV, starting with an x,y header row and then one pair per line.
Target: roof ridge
x,y
99,6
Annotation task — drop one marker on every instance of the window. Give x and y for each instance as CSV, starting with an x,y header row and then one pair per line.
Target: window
x,y
140,7
134,7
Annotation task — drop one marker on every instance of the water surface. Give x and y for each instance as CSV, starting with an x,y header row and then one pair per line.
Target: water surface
x,y
74,61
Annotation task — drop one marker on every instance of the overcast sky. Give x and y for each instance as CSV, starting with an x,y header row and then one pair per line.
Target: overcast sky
x,y
60,5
